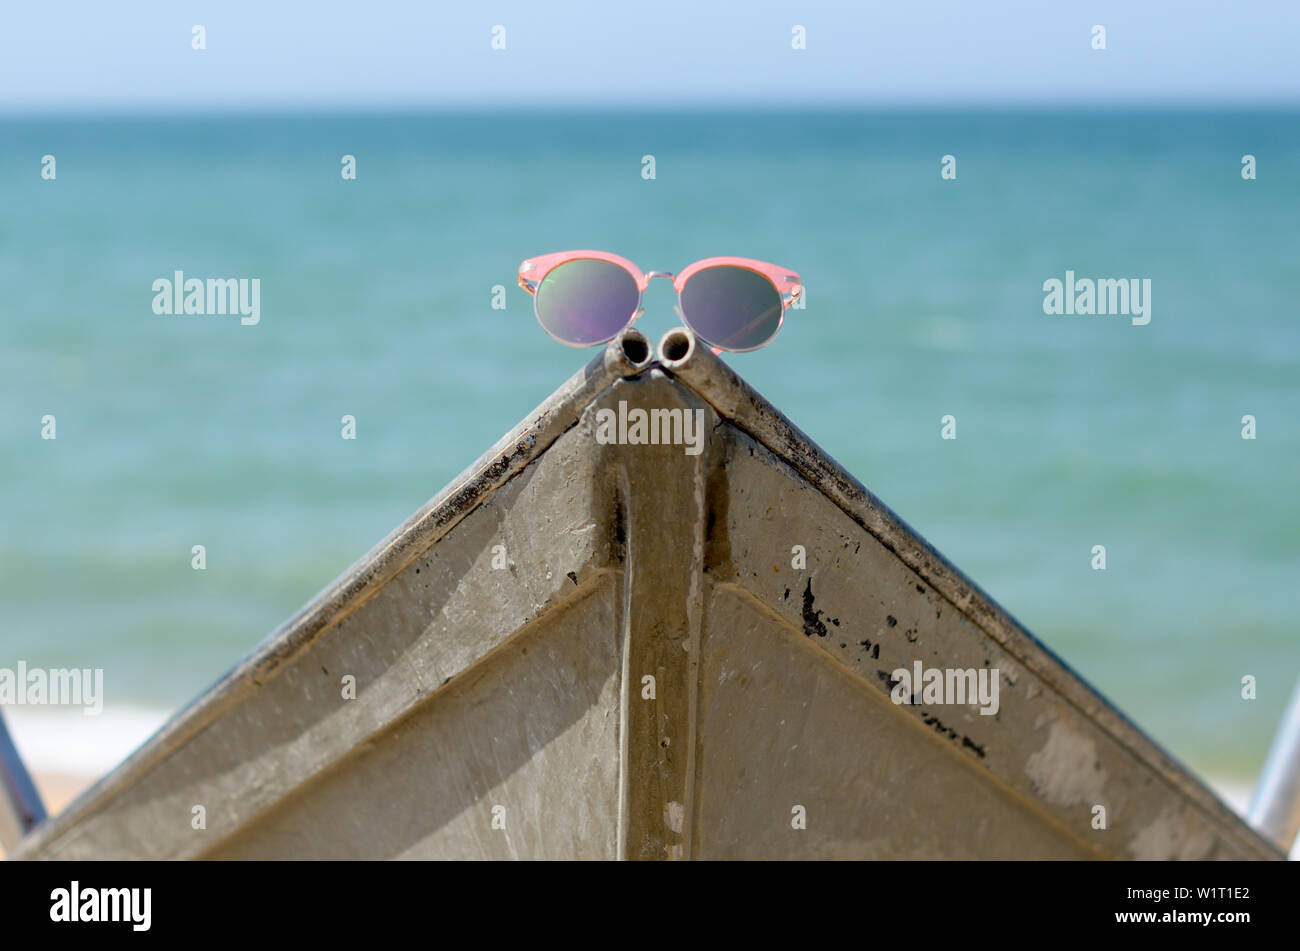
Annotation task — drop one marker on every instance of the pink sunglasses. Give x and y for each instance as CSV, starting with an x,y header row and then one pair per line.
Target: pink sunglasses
x,y
584,298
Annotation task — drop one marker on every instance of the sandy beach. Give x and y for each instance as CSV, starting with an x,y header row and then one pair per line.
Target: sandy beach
x,y
58,790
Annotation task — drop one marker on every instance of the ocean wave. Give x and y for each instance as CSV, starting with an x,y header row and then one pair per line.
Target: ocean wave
x,y
63,740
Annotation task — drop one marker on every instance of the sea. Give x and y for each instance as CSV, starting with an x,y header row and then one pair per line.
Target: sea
x,y
925,239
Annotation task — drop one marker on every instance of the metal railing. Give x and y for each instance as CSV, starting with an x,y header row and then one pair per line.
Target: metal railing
x,y
1275,809
21,809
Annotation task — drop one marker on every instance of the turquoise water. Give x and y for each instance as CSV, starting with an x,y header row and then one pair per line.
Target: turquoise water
x,y
924,299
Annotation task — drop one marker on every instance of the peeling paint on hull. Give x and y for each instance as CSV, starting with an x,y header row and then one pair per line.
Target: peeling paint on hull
x,y
647,677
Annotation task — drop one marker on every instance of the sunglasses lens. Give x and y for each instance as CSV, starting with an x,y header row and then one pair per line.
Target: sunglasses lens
x,y
732,308
586,302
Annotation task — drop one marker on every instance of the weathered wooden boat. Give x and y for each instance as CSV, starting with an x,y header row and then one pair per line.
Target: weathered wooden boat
x,y
594,647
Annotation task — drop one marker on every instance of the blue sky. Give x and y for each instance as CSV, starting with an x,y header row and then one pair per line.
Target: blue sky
x,y
136,55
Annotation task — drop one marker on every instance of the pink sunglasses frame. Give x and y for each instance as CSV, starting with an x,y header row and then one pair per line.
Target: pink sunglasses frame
x,y
788,284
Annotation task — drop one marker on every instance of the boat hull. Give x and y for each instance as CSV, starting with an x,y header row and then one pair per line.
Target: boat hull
x,y
586,649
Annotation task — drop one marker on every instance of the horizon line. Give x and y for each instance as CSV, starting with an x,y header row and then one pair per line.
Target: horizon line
x,y
377,109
